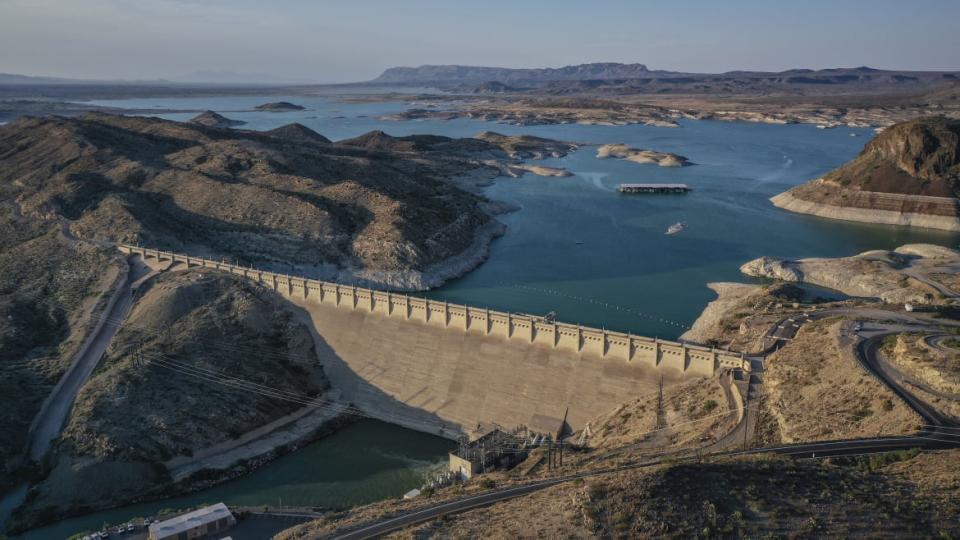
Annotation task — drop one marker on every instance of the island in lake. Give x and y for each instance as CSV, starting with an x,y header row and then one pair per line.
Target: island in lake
x,y
279,106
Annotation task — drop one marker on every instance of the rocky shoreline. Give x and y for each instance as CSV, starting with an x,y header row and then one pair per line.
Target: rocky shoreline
x,y
436,274
789,202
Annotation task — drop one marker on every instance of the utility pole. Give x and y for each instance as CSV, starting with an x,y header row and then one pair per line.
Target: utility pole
x,y
660,405
550,455
746,412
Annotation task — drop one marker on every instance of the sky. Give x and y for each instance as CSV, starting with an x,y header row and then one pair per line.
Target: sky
x,y
354,40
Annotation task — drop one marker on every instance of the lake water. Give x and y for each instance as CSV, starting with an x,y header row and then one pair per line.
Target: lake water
x,y
576,248
362,463
595,257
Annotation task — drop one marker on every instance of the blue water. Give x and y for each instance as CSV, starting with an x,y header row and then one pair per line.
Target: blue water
x,y
599,258
576,247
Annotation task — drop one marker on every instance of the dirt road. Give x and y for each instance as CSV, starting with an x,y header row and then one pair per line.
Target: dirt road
x,y
49,422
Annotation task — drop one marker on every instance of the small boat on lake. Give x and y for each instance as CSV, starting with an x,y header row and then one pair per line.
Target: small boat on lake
x,y
676,227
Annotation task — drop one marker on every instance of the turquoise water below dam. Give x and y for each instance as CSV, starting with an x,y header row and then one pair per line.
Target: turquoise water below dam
x,y
576,247
361,463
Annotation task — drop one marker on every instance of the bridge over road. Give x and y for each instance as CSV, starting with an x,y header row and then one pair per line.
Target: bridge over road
x,y
444,368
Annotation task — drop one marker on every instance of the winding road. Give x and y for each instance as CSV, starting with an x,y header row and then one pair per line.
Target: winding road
x,y
941,432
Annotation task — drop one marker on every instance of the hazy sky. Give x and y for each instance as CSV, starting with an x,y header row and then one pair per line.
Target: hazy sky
x,y
333,40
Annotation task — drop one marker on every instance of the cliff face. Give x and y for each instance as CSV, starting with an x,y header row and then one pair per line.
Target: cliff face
x,y
907,175
920,157
286,198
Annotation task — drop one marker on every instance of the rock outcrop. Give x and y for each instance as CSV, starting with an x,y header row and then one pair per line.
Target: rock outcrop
x,y
279,106
298,132
906,274
906,175
622,151
213,119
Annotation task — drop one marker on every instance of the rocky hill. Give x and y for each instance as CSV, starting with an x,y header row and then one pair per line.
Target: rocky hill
x,y
51,294
279,106
906,175
213,119
283,199
298,132
168,387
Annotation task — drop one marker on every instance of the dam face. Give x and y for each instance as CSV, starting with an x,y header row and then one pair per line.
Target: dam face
x,y
446,368
431,377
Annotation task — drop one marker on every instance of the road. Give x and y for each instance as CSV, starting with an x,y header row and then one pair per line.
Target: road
x,y
53,415
853,447
868,353
942,432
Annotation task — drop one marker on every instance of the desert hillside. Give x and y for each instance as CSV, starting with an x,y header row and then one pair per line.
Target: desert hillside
x,y
51,294
745,498
906,175
164,389
283,199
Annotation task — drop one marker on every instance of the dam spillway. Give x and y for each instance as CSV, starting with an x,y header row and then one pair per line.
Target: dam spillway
x,y
445,368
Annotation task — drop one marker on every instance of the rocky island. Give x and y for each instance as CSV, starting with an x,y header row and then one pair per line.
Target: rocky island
x,y
213,119
279,106
622,151
906,175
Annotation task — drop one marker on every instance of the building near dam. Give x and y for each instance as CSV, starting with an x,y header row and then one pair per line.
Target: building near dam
x,y
445,368
197,524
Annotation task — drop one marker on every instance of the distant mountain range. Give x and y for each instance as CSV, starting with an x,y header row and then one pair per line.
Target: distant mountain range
x,y
475,74
604,73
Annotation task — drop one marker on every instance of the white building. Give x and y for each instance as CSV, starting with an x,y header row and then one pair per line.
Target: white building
x,y
196,524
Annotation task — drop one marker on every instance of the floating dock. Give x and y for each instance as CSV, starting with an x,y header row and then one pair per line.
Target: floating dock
x,y
653,188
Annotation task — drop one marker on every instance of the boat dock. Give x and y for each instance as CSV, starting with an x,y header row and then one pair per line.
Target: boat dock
x,y
653,188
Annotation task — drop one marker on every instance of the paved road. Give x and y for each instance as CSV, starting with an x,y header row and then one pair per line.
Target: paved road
x,y
853,447
868,355
51,418
941,434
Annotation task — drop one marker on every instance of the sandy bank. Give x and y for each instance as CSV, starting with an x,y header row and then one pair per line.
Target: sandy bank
x,y
886,217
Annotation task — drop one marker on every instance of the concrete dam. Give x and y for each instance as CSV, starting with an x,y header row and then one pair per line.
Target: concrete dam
x,y
445,369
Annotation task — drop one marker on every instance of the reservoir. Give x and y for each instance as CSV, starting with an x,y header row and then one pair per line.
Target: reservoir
x,y
594,257
576,247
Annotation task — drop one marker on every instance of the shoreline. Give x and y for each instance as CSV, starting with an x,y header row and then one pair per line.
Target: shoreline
x,y
201,479
790,203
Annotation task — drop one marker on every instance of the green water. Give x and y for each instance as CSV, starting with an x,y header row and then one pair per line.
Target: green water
x,y
362,463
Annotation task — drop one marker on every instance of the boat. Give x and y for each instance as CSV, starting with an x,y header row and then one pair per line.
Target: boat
x,y
676,227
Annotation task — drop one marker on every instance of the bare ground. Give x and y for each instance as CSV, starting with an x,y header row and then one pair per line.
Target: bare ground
x,y
817,391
